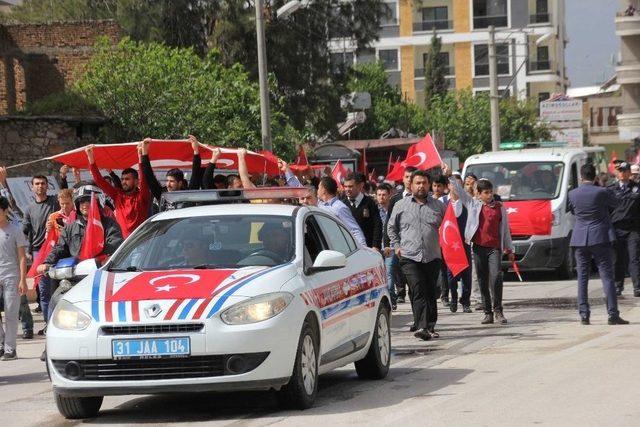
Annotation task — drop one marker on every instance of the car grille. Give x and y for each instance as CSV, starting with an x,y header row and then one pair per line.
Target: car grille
x,y
152,329
158,369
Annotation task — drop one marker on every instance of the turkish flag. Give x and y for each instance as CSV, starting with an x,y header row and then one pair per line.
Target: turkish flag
x,y
174,284
302,160
93,240
529,217
423,155
397,172
339,172
451,243
163,154
52,238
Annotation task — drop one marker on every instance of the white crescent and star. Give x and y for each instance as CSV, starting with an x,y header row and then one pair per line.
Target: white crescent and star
x,y
421,156
168,287
512,210
447,223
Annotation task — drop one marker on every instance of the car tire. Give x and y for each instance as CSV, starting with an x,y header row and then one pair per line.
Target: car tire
x,y
74,408
566,269
375,364
301,390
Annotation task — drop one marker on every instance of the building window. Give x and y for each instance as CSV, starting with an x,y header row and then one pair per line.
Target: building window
x,y
481,59
434,18
504,93
389,59
341,61
490,12
390,16
444,56
542,62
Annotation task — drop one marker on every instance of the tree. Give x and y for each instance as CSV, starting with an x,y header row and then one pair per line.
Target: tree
x,y
39,11
435,83
465,120
388,109
148,89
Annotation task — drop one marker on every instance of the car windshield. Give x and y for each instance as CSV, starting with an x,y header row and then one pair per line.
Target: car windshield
x,y
522,180
231,241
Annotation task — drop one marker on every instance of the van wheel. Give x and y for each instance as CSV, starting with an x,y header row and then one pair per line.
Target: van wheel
x,y
74,408
566,269
302,388
375,364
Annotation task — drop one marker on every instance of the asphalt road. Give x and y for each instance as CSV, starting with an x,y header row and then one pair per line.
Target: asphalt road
x,y
543,367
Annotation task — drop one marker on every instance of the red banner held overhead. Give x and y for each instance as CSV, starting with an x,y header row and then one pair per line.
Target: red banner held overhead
x,y
423,155
163,154
529,217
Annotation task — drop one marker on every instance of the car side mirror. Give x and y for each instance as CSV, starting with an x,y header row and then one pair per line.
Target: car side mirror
x,y
86,267
328,260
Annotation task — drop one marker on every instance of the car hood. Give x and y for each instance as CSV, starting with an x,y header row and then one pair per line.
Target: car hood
x,y
184,294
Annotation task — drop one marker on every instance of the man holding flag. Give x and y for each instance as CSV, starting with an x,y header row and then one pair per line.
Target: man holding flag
x,y
91,235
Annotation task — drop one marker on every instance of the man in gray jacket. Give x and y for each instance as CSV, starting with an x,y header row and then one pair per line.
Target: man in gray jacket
x,y
488,229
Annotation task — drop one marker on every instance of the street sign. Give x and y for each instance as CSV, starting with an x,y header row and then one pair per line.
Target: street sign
x,y
560,111
572,137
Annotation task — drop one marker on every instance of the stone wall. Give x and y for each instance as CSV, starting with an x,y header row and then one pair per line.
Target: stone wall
x,y
39,59
23,139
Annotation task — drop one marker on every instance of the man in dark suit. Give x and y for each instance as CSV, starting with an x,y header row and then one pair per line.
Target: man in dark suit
x,y
364,209
592,237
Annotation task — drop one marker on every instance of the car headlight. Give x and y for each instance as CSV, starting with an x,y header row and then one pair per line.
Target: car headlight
x,y
256,309
68,317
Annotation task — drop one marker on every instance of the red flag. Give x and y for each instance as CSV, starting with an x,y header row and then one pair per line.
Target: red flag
x,y
164,154
397,173
423,155
302,160
372,176
516,269
529,217
451,243
339,173
93,241
45,250
612,165
363,162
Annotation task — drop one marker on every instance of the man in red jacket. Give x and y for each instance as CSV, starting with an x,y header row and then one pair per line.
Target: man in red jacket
x,y
132,201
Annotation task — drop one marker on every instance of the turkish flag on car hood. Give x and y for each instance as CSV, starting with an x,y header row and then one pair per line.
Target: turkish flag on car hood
x,y
423,155
451,243
163,154
529,217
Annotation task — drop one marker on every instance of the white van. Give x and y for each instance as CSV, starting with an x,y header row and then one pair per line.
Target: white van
x,y
538,174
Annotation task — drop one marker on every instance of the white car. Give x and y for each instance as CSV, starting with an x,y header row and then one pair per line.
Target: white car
x,y
222,298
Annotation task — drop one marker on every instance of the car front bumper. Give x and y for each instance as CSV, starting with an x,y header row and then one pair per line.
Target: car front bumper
x,y
543,254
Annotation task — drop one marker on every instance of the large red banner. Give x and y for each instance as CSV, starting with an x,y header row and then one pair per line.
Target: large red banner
x,y
529,217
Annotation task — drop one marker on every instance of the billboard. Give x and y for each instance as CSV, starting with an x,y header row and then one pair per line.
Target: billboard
x,y
561,111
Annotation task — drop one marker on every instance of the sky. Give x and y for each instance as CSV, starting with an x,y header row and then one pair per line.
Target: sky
x,y
592,41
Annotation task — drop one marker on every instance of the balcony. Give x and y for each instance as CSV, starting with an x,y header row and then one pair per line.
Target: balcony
x,y
628,72
540,18
428,26
536,66
480,22
627,25
629,125
418,73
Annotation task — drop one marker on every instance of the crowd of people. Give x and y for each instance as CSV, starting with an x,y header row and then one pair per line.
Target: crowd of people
x,y
401,223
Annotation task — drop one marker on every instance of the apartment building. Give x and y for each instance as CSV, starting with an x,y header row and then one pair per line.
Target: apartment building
x,y
628,69
530,35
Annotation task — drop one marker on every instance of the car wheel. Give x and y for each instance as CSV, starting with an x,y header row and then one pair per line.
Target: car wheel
x,y
300,392
375,364
74,408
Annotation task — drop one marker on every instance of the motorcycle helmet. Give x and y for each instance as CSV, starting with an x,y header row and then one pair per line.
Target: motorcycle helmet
x,y
83,194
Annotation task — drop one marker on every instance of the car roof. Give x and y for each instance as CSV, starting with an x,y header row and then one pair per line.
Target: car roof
x,y
231,209
524,155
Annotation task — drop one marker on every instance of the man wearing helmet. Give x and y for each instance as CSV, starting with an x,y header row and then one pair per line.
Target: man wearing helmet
x,y
72,235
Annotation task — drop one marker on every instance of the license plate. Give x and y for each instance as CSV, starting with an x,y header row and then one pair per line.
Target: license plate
x,y
151,348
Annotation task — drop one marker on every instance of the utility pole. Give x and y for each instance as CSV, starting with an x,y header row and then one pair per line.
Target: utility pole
x,y
494,98
265,113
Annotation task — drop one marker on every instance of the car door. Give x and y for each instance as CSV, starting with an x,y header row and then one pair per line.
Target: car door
x,y
354,307
326,287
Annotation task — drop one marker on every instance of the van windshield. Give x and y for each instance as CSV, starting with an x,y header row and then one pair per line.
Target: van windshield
x,y
522,180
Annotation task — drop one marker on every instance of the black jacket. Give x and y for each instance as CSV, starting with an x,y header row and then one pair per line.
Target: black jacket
x,y
367,215
70,240
626,215
154,186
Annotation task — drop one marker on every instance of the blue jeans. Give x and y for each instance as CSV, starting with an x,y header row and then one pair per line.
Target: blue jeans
x,y
391,279
26,319
465,276
45,293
